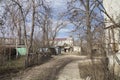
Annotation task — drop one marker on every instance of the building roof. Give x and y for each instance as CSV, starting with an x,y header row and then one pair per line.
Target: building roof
x,y
59,39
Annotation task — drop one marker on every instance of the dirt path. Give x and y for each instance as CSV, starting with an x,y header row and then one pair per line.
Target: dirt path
x,y
49,70
70,72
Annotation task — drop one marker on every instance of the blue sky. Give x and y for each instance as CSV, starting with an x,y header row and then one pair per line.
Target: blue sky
x,y
58,7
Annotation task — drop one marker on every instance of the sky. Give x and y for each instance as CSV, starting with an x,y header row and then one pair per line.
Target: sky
x,y
60,6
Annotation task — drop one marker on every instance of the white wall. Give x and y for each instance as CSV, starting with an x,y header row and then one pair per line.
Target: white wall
x,y
77,49
113,9
112,62
61,42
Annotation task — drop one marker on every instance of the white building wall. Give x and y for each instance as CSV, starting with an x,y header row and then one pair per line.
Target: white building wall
x,y
113,9
69,41
77,48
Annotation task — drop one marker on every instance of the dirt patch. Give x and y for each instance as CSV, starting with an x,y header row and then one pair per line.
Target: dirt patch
x,y
47,71
70,72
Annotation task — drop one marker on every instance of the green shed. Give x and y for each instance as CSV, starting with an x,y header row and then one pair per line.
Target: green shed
x,y
21,51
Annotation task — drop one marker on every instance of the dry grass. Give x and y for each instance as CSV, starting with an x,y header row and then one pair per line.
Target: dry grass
x,y
95,72
10,68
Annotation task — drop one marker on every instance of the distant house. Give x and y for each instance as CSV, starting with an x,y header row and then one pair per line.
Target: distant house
x,y
66,43
63,41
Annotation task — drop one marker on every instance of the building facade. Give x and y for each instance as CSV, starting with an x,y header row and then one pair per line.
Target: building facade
x,y
66,44
112,32
63,41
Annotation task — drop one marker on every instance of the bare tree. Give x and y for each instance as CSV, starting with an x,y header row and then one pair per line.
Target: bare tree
x,y
83,16
43,20
54,30
19,11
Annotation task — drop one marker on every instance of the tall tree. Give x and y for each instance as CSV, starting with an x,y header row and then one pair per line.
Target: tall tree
x,y
18,12
83,14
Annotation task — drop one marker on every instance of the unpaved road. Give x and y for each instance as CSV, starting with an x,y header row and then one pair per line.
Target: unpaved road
x,y
50,70
70,72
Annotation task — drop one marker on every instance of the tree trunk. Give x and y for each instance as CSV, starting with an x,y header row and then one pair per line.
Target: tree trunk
x,y
29,48
89,34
